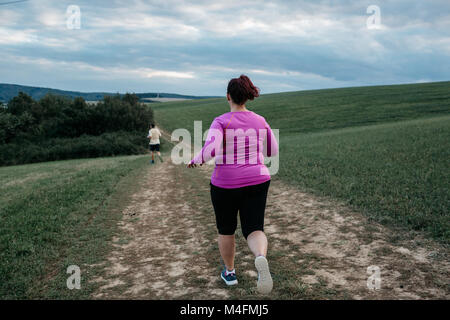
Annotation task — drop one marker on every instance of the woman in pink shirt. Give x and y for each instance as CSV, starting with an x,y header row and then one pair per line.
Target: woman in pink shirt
x,y
240,181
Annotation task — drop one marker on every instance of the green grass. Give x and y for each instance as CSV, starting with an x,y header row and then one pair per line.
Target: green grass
x,y
319,110
399,173
382,149
56,214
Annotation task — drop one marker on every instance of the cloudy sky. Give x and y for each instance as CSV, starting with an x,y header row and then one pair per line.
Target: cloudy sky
x,y
195,47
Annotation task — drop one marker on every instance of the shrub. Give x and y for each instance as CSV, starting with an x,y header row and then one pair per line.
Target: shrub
x,y
57,128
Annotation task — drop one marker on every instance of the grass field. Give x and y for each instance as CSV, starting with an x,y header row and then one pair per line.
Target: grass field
x,y
382,149
57,214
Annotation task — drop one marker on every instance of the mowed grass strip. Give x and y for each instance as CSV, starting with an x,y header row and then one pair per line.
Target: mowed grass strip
x,y
358,145
57,214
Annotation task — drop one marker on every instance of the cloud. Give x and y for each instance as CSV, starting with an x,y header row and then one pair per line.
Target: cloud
x,y
285,45
14,37
108,71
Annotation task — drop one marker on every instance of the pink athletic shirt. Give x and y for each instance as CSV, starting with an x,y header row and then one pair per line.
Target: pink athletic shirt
x,y
237,141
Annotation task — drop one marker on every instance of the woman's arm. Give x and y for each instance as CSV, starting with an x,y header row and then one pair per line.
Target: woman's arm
x,y
212,144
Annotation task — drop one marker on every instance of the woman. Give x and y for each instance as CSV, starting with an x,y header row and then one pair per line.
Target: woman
x,y
240,180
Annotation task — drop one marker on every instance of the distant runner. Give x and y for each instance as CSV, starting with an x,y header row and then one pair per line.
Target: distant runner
x,y
154,134
240,180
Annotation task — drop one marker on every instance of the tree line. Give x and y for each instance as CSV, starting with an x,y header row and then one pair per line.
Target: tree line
x,y
56,128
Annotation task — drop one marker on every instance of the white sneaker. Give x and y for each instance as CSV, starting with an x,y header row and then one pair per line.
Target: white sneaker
x,y
265,282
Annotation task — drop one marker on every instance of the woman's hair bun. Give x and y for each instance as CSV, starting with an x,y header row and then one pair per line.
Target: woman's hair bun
x,y
242,89
252,91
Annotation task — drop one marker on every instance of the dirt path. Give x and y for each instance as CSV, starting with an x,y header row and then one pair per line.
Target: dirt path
x,y
319,249
162,248
336,246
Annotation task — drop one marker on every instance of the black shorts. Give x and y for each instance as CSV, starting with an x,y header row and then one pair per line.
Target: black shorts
x,y
250,201
154,147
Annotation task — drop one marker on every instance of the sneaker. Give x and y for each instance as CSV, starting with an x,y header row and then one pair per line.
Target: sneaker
x,y
153,161
265,282
229,277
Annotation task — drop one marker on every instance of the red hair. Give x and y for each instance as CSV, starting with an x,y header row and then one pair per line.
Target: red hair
x,y
242,89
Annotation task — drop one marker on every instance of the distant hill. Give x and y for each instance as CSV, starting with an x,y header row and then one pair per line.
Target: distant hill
x,y
9,91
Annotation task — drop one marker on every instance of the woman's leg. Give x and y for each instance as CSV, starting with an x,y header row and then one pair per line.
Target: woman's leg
x,y
225,208
227,248
252,218
257,242
252,222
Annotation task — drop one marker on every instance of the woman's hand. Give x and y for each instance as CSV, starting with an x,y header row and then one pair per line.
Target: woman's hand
x,y
193,165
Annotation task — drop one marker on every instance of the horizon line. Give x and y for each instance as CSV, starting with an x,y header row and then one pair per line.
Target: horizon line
x,y
219,96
